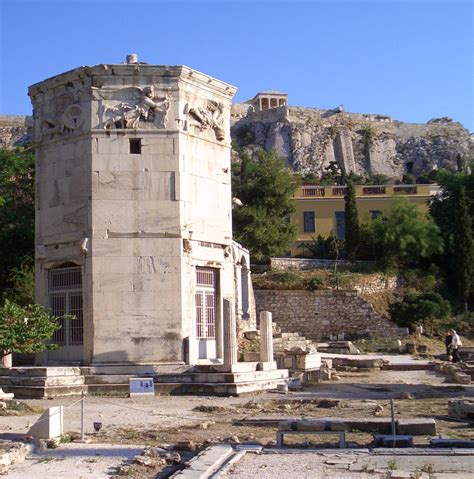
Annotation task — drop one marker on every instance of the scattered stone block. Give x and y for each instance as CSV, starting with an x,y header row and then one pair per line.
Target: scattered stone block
x,y
49,425
462,378
338,426
185,446
398,474
461,408
4,395
251,356
308,361
251,335
390,440
442,442
403,332
416,427
326,374
311,425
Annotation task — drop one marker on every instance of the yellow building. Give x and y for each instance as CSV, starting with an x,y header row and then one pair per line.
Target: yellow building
x,y
320,209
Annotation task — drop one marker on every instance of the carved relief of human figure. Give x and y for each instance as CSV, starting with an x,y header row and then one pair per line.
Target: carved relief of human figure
x,y
128,115
210,117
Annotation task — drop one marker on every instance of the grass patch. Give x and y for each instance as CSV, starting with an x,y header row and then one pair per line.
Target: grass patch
x,y
18,408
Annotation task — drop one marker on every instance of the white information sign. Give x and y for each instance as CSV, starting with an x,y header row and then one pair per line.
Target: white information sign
x,y
141,387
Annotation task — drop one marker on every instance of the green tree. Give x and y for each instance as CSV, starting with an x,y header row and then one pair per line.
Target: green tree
x,y
463,249
352,222
416,309
265,186
410,235
17,213
372,232
25,329
453,221
22,282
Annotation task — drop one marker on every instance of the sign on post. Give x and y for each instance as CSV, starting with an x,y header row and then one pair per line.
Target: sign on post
x,y
141,387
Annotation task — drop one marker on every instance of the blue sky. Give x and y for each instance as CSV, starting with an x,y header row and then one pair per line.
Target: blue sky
x,y
410,59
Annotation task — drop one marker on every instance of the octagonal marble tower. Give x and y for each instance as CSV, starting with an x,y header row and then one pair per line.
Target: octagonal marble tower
x,y
133,212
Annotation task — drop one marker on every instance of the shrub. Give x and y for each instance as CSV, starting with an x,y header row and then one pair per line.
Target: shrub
x,y
417,309
314,283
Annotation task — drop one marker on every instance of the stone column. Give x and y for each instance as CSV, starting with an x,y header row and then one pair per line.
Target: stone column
x,y
266,337
6,361
230,335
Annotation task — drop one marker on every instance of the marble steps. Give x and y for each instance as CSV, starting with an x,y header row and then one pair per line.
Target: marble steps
x,y
205,382
42,382
56,382
194,388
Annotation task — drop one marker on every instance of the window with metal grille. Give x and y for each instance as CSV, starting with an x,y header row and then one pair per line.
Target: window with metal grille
x,y
206,281
65,297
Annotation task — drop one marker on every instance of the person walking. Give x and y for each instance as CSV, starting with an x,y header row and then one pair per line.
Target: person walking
x,y
456,344
448,343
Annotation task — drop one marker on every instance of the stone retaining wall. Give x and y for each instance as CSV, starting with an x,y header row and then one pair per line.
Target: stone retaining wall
x,y
318,314
309,263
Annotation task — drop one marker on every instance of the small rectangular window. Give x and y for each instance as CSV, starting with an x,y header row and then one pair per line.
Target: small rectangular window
x,y
374,214
309,222
340,224
135,146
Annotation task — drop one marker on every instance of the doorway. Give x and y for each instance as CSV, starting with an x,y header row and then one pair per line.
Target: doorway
x,y
65,297
206,312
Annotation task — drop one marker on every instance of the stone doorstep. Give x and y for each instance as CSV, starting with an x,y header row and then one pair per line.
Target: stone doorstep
x,y
136,370
236,378
239,367
247,366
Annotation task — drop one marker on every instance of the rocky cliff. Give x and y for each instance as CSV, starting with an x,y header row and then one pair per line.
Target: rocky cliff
x,y
15,130
311,139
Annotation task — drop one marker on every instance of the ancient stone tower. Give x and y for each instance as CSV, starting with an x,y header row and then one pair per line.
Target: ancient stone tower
x,y
133,212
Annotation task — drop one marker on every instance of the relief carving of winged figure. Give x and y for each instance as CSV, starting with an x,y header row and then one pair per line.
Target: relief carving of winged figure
x,y
138,104
210,117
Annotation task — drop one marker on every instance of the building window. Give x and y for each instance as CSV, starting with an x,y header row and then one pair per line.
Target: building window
x,y
340,224
135,146
308,222
374,214
65,297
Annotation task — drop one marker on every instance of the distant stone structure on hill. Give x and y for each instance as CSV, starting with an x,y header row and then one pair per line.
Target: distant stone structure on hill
x,y
311,139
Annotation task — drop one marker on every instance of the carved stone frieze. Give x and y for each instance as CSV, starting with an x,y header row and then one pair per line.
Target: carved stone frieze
x,y
135,106
67,120
209,117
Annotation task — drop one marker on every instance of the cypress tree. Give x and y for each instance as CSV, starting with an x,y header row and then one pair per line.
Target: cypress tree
x,y
463,249
352,222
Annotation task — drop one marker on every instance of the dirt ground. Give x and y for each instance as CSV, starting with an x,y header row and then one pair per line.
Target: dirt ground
x,y
192,422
